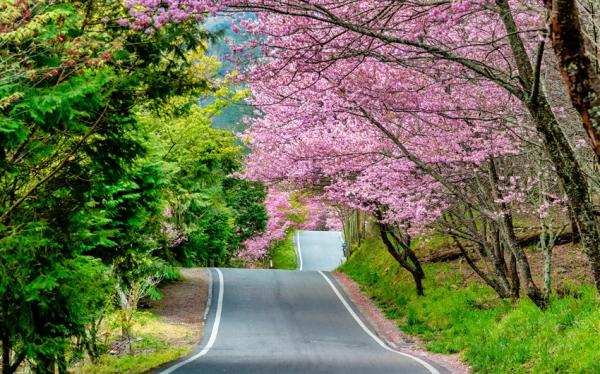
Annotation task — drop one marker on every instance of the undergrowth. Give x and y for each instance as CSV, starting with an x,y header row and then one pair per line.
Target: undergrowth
x,y
283,253
459,314
156,343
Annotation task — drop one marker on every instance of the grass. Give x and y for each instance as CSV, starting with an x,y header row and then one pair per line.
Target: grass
x,y
431,243
283,253
156,343
465,317
140,363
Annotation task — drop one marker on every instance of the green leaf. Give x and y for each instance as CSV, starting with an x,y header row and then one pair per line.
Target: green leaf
x,y
12,132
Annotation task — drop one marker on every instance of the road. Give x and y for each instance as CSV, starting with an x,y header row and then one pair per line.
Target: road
x,y
319,250
277,321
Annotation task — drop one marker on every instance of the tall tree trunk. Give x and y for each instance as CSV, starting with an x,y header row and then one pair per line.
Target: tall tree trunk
x,y
547,252
405,257
575,232
507,232
5,339
568,169
515,284
576,67
418,283
499,263
6,369
9,364
531,289
574,183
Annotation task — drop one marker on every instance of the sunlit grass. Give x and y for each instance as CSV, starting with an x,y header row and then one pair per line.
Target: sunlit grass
x,y
283,253
155,343
139,363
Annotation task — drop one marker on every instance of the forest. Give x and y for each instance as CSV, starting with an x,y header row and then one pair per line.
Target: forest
x,y
434,130
111,174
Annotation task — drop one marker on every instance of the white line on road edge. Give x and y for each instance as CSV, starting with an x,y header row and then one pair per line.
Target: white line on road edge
x,y
428,366
298,251
213,333
209,298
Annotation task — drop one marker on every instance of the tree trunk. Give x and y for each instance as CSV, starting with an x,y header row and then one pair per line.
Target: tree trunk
x,y
6,367
568,169
499,263
9,364
418,284
414,269
547,251
524,270
496,283
507,232
576,67
575,232
5,342
515,283
574,183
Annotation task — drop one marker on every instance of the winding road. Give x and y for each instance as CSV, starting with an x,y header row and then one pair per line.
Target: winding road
x,y
278,321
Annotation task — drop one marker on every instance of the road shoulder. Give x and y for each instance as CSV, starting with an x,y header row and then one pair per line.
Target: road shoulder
x,y
389,331
184,307
184,302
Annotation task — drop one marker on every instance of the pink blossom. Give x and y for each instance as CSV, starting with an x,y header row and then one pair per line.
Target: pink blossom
x,y
308,213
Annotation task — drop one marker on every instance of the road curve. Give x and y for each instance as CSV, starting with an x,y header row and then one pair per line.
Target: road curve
x,y
277,321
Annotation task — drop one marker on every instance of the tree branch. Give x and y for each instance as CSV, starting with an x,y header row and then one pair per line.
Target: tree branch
x,y
62,164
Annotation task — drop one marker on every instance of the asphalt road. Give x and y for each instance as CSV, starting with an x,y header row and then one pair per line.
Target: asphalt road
x,y
277,321
319,250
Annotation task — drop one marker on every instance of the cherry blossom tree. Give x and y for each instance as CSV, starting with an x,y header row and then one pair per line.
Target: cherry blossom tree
x,y
428,80
431,78
313,138
287,211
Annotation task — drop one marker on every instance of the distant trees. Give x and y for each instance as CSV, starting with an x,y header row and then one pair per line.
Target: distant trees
x,y
208,213
285,211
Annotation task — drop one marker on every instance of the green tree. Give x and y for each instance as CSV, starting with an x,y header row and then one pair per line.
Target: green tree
x,y
205,219
75,180
246,199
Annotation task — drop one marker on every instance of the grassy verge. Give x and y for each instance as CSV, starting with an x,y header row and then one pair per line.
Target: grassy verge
x,y
156,342
283,253
460,315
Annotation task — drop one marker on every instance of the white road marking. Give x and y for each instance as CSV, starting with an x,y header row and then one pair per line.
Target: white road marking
x,y
209,297
431,369
213,333
299,251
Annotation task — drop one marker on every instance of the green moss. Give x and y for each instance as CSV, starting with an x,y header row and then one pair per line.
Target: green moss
x,y
466,317
283,253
